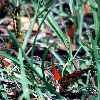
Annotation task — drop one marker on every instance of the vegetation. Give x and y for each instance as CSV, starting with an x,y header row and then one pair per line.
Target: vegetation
x,y
49,50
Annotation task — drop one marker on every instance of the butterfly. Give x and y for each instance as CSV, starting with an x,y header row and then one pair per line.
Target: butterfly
x,y
56,72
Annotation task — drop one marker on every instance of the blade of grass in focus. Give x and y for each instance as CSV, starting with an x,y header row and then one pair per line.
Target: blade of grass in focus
x,y
23,79
3,53
95,42
53,25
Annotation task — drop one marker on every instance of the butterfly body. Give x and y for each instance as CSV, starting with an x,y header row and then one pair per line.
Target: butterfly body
x,y
56,73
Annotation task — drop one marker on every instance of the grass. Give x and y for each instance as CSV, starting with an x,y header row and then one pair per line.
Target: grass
x,y
30,75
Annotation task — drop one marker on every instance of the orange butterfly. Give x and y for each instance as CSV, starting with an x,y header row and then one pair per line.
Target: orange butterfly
x,y
56,72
